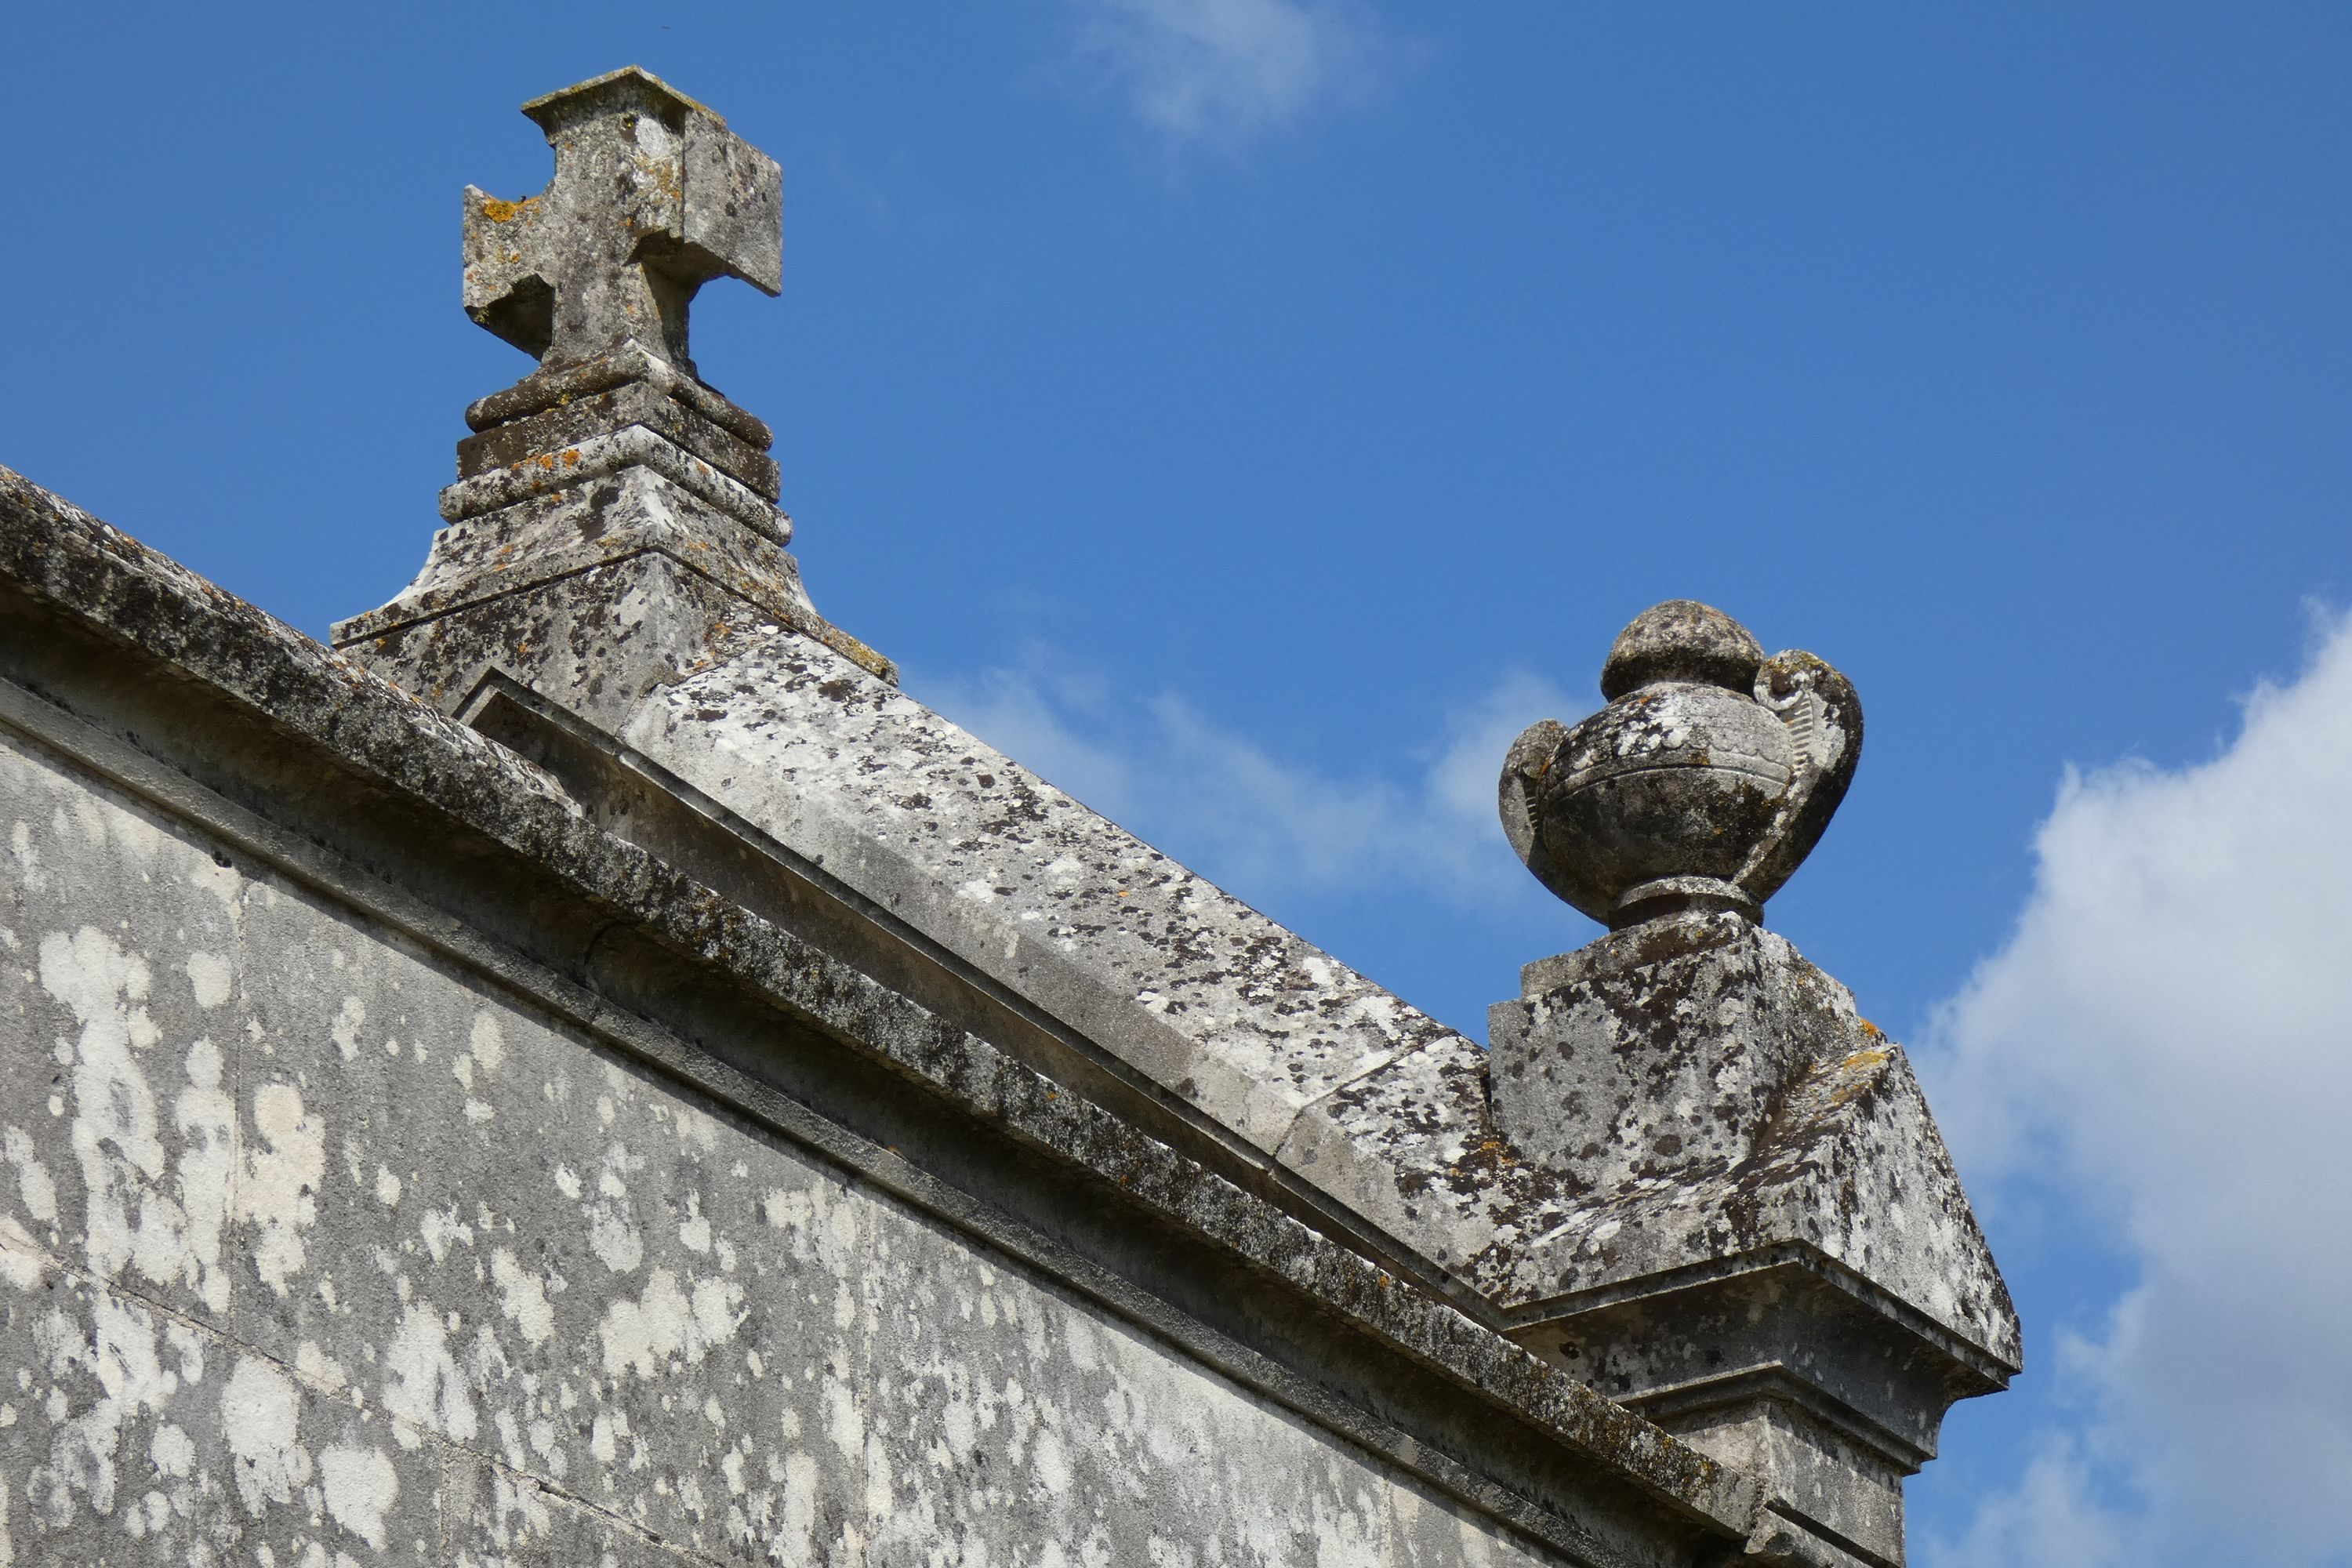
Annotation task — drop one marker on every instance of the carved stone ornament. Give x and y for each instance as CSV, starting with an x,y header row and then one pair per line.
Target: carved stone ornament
x,y
1702,785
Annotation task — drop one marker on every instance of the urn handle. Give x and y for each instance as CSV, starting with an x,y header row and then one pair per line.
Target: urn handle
x,y
1520,787
1824,721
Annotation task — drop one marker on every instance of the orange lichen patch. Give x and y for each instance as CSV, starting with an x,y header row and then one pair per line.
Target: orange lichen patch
x,y
498,211
1855,1074
1492,1154
570,457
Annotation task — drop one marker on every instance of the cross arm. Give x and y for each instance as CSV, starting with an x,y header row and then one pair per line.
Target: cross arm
x,y
652,198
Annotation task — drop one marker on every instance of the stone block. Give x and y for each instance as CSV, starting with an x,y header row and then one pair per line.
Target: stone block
x,y
1769,1253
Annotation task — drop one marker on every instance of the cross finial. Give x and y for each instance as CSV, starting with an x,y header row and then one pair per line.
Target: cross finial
x,y
653,196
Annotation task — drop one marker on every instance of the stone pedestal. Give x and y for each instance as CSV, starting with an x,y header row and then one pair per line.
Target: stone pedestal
x,y
1773,1256
611,522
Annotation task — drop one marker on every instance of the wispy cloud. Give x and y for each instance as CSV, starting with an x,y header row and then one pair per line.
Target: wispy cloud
x,y
1224,72
2161,1059
1423,817
2051,1518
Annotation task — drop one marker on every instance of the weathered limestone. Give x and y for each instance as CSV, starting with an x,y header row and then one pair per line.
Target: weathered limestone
x,y
1771,1254
333,1243
1703,785
653,198
611,510
1767,1249
611,1077
622,626
696,714
401,1164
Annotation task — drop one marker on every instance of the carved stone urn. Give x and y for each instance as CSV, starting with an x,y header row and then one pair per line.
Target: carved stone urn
x,y
1704,782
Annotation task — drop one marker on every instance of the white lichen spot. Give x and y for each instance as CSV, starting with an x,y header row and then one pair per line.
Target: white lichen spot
x,y
881,1489
387,1187
544,1443
1051,1461
696,1127
844,1417
359,1486
35,1189
801,1506
442,1227
22,1262
204,1065
211,976
260,1412
28,858
694,1231
613,1234
644,1335
172,1452
424,1388
317,1367
523,1297
189,1346
567,1181
487,1044
138,1212
346,1029
605,1434
119,1354
279,1192
510,1444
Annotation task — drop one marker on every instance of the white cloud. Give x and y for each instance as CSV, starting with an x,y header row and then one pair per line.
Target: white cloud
x,y
2049,1520
1256,822
2161,1059
1223,72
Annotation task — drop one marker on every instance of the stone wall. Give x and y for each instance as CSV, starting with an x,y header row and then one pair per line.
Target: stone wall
x,y
316,1251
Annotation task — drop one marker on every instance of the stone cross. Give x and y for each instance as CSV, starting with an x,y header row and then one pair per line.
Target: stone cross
x,y
653,196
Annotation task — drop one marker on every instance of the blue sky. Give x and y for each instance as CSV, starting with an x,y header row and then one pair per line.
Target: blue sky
x,y
1251,412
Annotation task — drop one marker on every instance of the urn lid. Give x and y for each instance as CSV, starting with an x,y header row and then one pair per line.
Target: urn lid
x,y
1681,639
